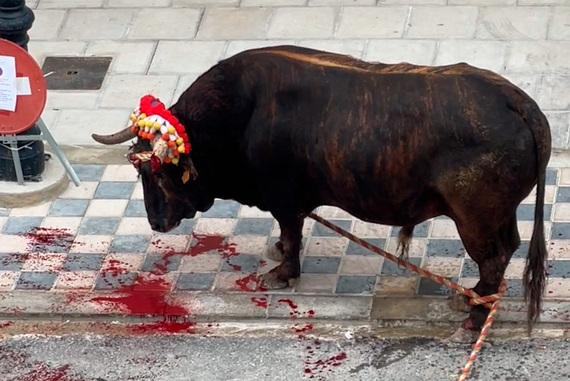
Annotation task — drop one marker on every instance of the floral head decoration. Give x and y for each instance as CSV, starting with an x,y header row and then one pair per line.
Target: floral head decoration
x,y
151,120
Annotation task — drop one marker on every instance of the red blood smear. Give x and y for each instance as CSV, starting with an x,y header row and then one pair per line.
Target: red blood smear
x,y
340,356
292,305
161,268
164,327
311,313
206,243
39,239
146,297
235,267
45,373
306,328
262,263
260,302
6,325
201,244
307,370
115,267
252,282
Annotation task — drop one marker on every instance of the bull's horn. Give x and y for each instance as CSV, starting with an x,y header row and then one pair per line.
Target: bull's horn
x,y
116,138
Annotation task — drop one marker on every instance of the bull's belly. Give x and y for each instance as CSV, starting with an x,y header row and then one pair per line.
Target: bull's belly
x,y
384,209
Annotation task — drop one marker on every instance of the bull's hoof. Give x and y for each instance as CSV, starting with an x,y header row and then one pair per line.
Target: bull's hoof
x,y
274,253
272,282
464,336
459,303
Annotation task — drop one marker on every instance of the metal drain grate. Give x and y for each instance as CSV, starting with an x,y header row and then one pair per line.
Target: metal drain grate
x,y
75,73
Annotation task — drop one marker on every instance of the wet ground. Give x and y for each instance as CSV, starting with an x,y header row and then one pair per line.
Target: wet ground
x,y
187,358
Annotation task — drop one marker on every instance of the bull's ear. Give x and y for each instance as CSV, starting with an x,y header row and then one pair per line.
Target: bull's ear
x,y
189,171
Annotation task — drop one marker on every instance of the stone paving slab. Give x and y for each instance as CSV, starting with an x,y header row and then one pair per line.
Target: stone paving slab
x,y
527,41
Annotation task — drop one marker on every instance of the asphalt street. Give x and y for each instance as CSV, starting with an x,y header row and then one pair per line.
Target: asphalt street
x,y
192,357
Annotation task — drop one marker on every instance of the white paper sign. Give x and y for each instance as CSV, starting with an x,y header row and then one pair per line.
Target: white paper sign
x,y
8,89
23,86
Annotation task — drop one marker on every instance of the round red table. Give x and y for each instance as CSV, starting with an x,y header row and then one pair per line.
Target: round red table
x,y
28,107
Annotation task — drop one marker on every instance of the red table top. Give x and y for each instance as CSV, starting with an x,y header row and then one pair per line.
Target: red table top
x,y
28,107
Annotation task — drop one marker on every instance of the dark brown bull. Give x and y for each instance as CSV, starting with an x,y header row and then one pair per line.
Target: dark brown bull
x,y
288,129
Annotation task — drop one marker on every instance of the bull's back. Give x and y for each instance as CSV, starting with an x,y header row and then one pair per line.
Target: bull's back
x,y
379,138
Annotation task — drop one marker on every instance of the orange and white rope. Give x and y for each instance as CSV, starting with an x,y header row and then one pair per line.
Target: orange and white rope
x,y
489,301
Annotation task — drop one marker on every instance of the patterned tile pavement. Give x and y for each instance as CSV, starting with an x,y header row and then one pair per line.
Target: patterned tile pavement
x,y
95,238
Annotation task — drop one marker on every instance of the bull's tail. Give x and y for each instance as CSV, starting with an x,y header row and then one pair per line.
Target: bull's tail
x,y
534,278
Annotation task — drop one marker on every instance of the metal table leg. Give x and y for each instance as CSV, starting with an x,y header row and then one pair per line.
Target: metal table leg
x,y
68,168
16,158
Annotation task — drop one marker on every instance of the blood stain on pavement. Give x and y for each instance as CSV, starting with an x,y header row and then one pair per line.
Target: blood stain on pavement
x,y
312,367
200,244
149,297
43,372
42,240
316,367
19,362
6,324
260,302
251,282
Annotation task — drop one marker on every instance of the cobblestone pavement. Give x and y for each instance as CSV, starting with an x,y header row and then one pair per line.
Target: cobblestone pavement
x,y
95,239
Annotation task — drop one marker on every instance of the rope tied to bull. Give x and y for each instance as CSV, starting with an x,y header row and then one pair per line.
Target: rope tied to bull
x,y
489,301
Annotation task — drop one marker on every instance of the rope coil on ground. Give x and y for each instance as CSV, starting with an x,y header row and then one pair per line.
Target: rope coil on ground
x,y
489,301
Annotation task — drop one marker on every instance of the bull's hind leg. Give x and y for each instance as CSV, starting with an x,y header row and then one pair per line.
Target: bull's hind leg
x,y
288,248
275,252
492,250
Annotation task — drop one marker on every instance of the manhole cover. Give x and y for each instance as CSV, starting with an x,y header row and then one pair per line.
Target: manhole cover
x,y
75,73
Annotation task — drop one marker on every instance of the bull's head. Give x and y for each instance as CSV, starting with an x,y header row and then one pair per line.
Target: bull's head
x,y
161,155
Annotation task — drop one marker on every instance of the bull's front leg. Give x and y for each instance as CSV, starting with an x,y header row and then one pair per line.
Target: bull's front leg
x,y
287,249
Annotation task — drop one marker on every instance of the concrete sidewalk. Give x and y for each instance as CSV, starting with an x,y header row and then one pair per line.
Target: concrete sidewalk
x,y
91,251
160,46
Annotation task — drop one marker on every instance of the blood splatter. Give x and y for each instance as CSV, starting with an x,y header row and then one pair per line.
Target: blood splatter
x,y
260,302
19,362
6,325
149,297
44,373
315,367
294,309
312,367
305,328
251,282
289,302
43,240
206,243
163,327
10,259
144,297
200,244
115,267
